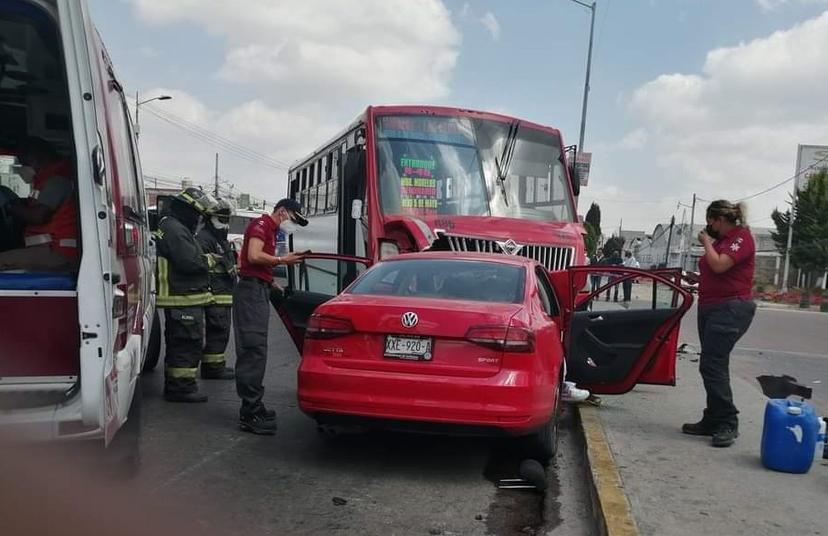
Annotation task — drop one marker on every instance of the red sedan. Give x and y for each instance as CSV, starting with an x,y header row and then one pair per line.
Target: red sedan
x,y
467,342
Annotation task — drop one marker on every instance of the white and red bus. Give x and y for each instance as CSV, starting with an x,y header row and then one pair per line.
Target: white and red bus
x,y
401,179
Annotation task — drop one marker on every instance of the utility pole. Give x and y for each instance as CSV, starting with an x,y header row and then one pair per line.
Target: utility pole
x,y
786,270
692,230
216,190
669,241
592,8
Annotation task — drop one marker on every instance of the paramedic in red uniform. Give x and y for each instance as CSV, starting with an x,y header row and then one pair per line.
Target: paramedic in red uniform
x,y
251,309
726,310
49,215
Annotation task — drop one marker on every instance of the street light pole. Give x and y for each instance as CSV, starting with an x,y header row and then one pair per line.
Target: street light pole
x,y
786,270
592,8
138,104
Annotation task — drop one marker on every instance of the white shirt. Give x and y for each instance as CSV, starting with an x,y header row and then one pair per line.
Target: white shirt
x,y
630,262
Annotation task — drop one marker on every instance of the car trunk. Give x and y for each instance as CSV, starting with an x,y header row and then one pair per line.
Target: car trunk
x,y
443,324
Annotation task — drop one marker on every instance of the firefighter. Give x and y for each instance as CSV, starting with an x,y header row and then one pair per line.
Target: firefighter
x,y
183,291
217,314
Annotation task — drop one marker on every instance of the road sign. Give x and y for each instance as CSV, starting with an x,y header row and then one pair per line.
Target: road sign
x,y
582,164
810,159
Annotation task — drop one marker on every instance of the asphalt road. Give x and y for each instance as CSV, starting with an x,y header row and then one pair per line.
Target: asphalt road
x,y
298,482
780,341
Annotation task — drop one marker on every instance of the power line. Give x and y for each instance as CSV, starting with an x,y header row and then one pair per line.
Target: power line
x,y
216,141
789,179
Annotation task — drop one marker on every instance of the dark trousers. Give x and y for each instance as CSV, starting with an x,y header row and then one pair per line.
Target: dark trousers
x,y
627,289
251,311
613,288
184,339
217,319
720,327
595,282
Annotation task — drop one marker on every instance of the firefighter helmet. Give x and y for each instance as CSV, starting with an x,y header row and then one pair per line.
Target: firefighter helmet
x,y
200,200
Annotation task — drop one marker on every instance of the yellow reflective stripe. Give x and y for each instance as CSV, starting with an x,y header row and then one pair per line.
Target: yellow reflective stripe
x,y
180,372
163,277
190,300
213,358
223,299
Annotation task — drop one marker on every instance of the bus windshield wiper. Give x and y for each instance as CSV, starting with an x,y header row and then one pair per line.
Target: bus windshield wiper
x,y
502,165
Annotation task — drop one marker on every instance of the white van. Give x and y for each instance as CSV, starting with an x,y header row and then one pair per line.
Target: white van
x,y
72,344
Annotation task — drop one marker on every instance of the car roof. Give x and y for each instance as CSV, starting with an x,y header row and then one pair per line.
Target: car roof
x,y
465,256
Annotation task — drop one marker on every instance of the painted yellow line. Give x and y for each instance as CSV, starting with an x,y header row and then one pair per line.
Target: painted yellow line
x,y
613,508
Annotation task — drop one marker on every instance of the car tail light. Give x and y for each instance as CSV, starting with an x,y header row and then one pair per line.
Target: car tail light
x,y
120,304
506,338
328,327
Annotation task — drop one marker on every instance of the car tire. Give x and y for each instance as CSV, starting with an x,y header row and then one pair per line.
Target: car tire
x,y
154,345
543,444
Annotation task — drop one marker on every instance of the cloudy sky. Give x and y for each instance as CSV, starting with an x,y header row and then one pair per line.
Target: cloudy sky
x,y
704,96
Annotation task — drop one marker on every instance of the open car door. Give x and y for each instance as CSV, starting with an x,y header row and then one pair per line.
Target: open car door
x,y
309,284
611,343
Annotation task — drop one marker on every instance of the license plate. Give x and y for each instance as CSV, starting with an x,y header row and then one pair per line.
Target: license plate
x,y
411,348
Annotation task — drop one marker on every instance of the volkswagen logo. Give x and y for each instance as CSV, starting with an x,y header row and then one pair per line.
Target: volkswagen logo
x,y
510,247
409,319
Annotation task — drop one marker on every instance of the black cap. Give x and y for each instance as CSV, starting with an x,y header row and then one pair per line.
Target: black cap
x,y
295,207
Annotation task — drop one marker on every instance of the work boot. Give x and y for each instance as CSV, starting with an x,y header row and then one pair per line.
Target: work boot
x,y
217,373
191,398
725,435
262,422
702,428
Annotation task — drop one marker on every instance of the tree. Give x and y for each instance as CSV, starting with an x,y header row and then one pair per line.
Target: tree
x,y
809,250
592,222
613,245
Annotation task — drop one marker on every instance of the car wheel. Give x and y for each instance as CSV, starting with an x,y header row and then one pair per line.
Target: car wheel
x,y
543,444
154,345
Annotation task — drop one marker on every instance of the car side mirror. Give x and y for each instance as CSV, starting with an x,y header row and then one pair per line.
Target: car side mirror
x,y
356,209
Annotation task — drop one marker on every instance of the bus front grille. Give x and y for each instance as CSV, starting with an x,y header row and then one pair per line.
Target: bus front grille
x,y
552,257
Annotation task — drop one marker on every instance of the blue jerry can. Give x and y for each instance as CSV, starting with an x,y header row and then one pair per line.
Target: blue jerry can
x,y
789,436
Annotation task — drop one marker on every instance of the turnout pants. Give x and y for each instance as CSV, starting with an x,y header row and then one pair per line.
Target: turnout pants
x,y
184,337
720,327
217,319
251,312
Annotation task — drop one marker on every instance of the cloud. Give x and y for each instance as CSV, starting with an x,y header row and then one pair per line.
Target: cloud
x,y
732,129
271,137
489,21
771,5
312,66
310,50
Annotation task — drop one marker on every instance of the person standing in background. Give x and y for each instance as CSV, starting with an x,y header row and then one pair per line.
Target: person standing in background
x,y
726,310
595,279
217,314
629,262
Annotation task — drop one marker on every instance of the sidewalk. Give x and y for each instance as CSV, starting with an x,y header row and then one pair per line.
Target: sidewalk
x,y
678,484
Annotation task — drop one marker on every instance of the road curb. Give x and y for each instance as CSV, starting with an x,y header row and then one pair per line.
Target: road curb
x,y
610,504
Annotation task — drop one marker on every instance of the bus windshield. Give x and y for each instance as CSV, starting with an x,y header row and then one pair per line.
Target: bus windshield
x,y
447,165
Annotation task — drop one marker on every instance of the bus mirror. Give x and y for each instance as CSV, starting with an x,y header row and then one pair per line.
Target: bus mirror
x,y
356,209
575,178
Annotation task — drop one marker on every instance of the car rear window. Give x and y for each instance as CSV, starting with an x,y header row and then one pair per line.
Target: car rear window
x,y
445,279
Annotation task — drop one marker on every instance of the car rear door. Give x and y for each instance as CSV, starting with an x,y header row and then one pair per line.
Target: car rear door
x,y
613,345
317,279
